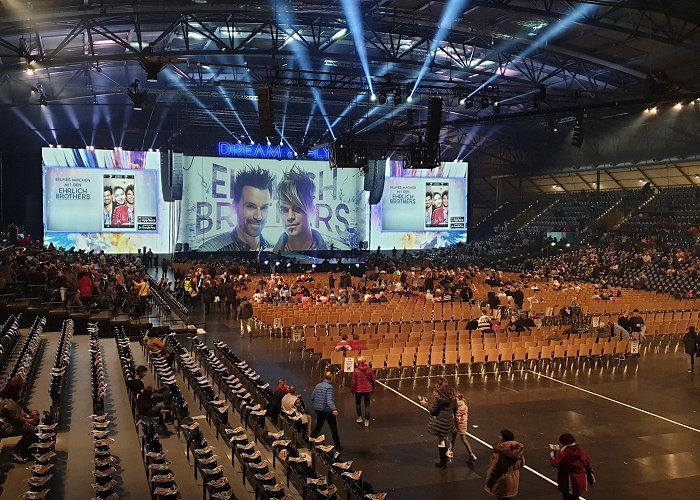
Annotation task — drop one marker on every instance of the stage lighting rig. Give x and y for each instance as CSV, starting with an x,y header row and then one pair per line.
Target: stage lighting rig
x,y
137,95
152,66
348,155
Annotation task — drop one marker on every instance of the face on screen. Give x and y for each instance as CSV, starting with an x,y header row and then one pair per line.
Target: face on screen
x,y
107,197
119,196
428,201
130,197
251,210
295,220
444,200
437,200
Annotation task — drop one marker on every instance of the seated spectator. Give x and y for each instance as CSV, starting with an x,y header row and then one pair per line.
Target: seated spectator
x,y
484,322
355,343
293,405
343,344
17,420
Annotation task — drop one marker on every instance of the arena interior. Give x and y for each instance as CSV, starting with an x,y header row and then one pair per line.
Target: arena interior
x,y
480,217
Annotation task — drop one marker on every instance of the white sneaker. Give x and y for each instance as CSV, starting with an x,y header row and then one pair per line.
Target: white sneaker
x,y
366,423
359,420
450,454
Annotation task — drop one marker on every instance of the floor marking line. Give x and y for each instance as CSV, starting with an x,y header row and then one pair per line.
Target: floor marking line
x,y
641,410
475,438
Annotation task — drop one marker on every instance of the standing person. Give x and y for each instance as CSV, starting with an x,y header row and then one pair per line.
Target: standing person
x,y
245,314
461,428
503,474
362,387
637,326
442,406
252,199
296,193
690,339
164,267
323,401
574,471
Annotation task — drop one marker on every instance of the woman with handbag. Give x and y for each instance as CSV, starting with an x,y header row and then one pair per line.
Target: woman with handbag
x,y
574,471
442,406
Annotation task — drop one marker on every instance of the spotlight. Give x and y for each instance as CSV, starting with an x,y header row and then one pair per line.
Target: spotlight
x,y
496,108
43,101
267,262
653,110
289,264
678,106
281,142
138,96
409,99
152,66
382,99
313,266
463,101
373,98
268,142
397,97
277,263
468,103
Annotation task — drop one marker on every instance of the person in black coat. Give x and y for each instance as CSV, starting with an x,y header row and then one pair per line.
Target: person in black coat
x,y
442,405
690,339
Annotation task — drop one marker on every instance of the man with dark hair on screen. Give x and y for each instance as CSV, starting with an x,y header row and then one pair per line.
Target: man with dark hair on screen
x,y
107,201
428,208
252,198
445,200
296,207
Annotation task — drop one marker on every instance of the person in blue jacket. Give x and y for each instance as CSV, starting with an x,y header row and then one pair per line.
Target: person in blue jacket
x,y
323,401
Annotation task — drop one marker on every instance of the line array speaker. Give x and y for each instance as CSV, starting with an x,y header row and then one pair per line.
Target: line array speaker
x,y
266,113
432,135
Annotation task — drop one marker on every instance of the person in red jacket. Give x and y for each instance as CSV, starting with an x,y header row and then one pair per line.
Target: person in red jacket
x,y
574,471
85,286
356,344
362,387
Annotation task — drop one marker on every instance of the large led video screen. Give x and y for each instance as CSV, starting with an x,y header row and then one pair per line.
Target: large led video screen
x,y
110,200
285,206
421,209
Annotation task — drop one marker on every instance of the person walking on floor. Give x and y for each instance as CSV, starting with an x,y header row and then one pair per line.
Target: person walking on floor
x,y
362,387
323,401
245,313
690,339
442,406
461,428
574,471
503,474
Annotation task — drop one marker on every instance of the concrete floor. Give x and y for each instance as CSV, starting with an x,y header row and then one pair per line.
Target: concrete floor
x,y
637,418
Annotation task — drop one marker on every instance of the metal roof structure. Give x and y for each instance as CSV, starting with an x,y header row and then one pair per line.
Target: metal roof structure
x,y
512,74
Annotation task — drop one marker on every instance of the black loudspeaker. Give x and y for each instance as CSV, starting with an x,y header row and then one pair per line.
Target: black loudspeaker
x,y
369,175
171,172
375,193
178,247
432,134
265,112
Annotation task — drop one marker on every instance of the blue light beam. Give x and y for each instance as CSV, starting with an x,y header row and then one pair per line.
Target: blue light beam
x,y
354,19
452,11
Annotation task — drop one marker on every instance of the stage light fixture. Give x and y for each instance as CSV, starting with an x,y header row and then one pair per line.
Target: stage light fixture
x,y
496,108
382,99
43,101
463,101
373,98
137,95
468,103
485,101
397,97
409,99
152,66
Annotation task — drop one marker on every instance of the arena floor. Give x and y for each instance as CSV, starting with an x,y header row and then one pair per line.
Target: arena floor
x,y
637,418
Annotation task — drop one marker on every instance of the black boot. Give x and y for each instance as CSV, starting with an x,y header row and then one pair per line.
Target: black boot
x,y
442,450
